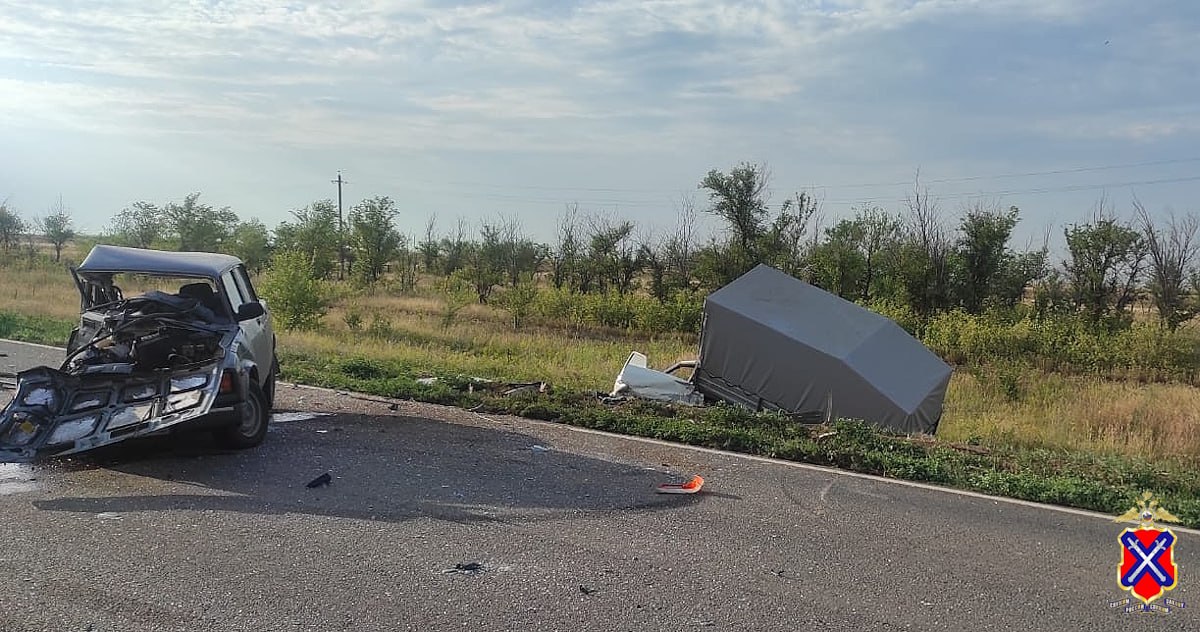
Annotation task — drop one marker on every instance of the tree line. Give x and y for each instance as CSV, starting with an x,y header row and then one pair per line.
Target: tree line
x,y
917,257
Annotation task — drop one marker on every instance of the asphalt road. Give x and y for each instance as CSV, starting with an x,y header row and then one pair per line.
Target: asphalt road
x,y
177,535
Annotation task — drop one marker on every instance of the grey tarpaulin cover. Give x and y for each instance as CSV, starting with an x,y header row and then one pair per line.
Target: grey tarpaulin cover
x,y
771,341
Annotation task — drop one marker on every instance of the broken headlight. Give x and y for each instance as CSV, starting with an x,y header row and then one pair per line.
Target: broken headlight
x,y
188,382
74,429
40,396
88,401
139,392
183,400
129,416
22,428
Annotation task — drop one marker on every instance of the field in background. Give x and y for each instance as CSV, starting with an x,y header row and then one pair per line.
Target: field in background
x,y
1001,406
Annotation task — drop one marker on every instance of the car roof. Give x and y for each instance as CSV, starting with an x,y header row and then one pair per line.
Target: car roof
x,y
105,258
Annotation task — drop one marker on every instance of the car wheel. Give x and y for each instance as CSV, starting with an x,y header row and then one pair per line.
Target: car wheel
x,y
253,427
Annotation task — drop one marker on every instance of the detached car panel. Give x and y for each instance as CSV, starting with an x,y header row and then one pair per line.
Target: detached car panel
x,y
140,365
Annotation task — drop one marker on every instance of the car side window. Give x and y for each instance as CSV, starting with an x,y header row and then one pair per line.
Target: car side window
x,y
231,289
243,283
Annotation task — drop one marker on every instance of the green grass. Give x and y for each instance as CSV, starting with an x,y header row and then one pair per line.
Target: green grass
x,y
40,329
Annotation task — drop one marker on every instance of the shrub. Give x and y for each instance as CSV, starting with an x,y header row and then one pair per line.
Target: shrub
x,y
297,301
353,318
519,301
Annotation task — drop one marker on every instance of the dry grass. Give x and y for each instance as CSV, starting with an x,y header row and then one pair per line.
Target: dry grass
x,y
1028,409
1098,415
481,341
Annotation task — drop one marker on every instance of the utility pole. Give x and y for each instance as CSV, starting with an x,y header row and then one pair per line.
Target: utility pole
x,y
341,227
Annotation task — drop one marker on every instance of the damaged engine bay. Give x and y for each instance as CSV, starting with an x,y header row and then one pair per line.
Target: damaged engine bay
x,y
134,366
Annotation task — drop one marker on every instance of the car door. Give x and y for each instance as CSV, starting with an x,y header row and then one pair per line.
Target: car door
x,y
255,336
267,338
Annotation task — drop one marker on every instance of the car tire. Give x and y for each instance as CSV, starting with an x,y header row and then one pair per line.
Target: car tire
x,y
253,428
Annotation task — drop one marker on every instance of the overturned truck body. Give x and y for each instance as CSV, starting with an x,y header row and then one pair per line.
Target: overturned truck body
x,y
773,342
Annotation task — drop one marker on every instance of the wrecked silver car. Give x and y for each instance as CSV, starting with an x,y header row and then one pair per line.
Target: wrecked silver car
x,y
202,354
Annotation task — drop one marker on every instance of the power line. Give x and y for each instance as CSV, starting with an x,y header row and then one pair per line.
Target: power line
x,y
851,185
644,203
1037,191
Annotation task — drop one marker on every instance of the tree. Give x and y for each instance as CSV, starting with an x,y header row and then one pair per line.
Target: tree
x,y
564,257
924,261
880,236
297,299
197,226
612,258
679,254
485,259
11,228
1106,262
430,249
314,232
250,242
139,225
56,227
455,249
519,299
740,198
783,244
373,236
521,256
1172,249
983,248
838,263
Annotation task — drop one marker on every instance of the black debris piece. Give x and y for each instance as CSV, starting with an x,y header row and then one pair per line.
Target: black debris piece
x,y
323,479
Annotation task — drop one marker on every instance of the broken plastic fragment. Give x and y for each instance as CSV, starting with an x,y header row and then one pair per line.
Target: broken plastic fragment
x,y
466,568
323,479
690,487
638,380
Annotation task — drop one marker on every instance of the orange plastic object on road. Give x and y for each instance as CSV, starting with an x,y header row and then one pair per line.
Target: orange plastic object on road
x,y
690,487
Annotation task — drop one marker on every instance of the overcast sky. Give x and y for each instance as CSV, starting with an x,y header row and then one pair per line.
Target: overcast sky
x,y
484,108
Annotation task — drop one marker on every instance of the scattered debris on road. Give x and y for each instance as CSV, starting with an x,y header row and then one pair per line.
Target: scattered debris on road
x,y
323,479
466,568
690,487
638,380
539,448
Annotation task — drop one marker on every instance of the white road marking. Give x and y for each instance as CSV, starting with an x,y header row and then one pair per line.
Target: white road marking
x,y
295,416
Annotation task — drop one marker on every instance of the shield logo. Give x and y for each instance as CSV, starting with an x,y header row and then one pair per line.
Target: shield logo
x,y
1147,566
